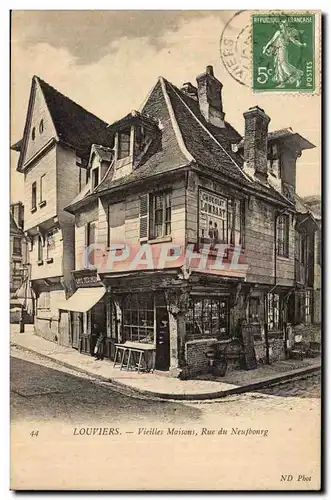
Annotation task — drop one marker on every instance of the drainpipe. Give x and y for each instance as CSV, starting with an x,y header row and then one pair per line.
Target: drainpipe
x,y
266,333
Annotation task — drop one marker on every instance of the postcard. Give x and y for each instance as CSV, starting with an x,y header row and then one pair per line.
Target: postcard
x,y
165,250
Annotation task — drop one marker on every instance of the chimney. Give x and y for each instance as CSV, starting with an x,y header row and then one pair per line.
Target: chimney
x,y
210,98
255,142
190,90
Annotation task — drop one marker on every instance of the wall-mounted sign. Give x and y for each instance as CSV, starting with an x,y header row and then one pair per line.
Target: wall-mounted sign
x,y
86,277
213,210
220,219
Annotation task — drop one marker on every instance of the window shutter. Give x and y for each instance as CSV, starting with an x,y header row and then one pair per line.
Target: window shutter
x,y
144,217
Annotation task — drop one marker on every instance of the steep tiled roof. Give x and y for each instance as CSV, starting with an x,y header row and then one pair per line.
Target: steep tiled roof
x,y
74,125
309,205
186,138
205,147
105,153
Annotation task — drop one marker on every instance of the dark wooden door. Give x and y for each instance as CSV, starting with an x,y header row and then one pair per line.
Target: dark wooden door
x,y
76,328
162,360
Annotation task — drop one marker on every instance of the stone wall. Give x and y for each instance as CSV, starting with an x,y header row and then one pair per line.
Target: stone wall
x,y
195,357
276,350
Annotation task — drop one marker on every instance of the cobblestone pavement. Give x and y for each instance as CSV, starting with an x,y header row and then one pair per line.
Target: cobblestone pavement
x,y
308,387
43,390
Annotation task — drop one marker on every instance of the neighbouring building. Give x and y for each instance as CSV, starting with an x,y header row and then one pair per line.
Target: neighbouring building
x,y
164,188
53,155
307,310
18,247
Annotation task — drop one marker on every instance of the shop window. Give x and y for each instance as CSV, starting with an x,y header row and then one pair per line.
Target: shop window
x,y
274,160
274,317
123,144
17,246
221,219
253,310
155,216
283,235
138,318
208,316
306,307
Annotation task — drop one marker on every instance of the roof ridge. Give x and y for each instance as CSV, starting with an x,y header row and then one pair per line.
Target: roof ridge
x,y
209,133
174,123
53,89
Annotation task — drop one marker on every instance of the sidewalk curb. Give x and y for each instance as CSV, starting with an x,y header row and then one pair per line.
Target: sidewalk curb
x,y
294,374
259,384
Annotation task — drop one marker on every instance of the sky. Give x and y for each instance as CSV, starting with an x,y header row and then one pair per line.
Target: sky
x,y
108,61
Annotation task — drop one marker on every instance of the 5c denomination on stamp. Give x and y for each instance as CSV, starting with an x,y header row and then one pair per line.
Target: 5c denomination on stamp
x,y
283,52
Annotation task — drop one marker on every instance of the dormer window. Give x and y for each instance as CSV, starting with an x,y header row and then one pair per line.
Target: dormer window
x,y
123,144
95,177
274,160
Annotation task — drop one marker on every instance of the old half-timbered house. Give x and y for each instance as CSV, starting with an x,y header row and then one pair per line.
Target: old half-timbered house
x,y
185,232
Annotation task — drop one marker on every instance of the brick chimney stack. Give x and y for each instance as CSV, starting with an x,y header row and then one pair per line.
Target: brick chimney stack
x,y
210,98
255,141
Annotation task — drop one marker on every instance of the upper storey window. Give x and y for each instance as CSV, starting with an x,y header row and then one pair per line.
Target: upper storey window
x,y
34,196
95,177
274,159
123,144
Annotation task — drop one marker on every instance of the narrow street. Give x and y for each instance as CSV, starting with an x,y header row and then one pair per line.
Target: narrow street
x,y
42,390
55,412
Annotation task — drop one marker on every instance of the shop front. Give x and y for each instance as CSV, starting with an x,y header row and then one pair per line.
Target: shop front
x,y
176,317
167,323
87,310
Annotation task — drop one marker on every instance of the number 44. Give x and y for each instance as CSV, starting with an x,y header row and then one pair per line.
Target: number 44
x,y
263,74
34,433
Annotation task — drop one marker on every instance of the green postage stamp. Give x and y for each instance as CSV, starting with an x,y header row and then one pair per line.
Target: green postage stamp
x,y
283,52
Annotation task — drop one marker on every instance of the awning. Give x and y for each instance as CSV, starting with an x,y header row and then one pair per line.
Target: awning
x,y
83,299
